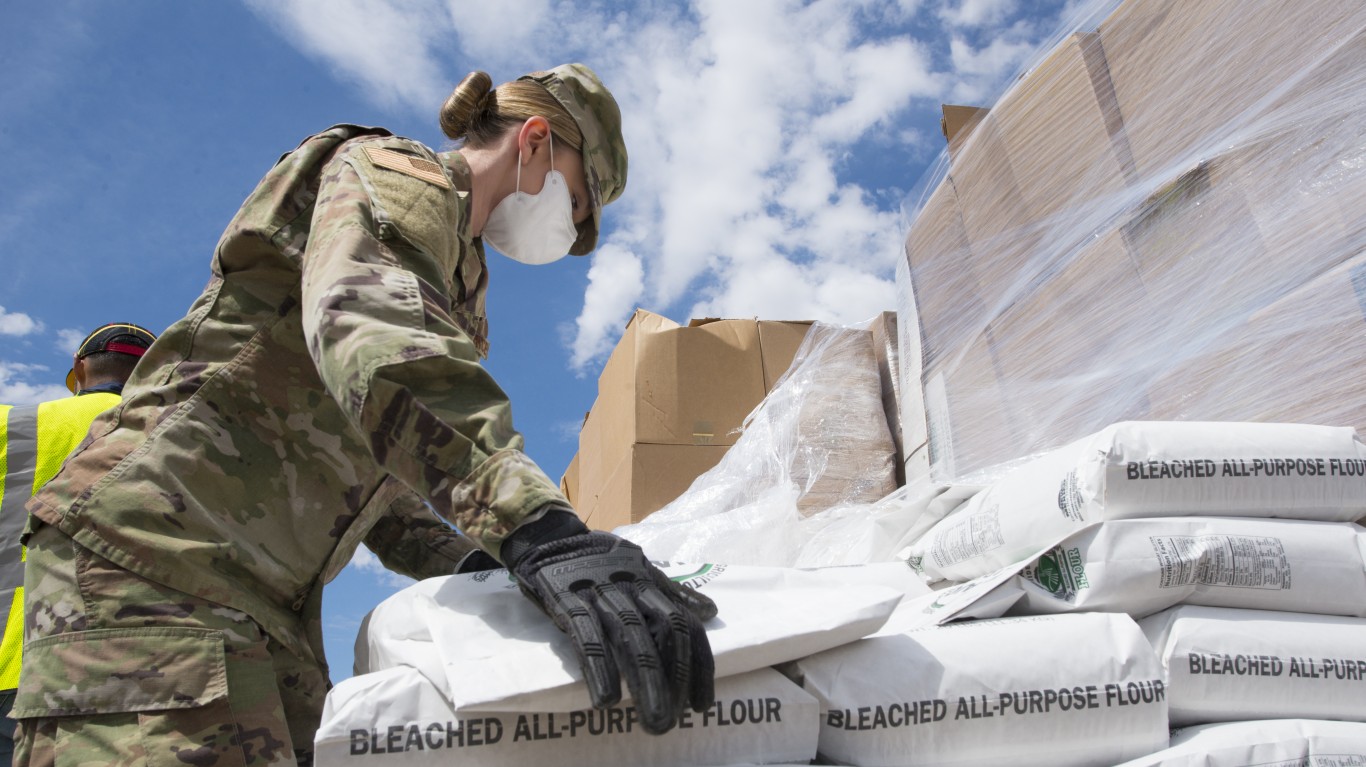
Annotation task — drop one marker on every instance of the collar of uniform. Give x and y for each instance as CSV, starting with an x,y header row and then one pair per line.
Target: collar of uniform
x,y
112,387
459,172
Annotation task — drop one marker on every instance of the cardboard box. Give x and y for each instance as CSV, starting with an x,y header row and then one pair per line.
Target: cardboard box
x,y
569,481
1298,360
886,340
939,289
957,124
1043,168
646,480
671,385
912,430
1189,77
967,414
1010,261
1144,227
1089,307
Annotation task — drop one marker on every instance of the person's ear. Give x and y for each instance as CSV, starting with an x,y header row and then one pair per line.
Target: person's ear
x,y
533,137
78,369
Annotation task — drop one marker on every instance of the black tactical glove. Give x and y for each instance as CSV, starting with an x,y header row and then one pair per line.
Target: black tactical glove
x,y
622,614
477,561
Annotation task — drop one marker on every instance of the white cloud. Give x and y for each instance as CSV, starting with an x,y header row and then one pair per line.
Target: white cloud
x,y
981,71
388,48
739,128
18,324
366,561
69,340
976,13
615,283
745,123
17,388
499,33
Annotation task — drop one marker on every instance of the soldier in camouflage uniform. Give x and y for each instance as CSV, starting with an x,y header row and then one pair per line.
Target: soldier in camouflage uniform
x,y
322,391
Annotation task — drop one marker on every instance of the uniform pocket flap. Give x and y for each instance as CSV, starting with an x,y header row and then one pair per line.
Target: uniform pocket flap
x,y
121,670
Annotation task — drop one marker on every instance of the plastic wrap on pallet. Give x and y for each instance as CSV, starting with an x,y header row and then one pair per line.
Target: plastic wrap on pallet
x,y
807,481
1160,219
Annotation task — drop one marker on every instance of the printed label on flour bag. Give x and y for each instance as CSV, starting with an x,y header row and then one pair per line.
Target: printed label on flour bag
x,y
970,536
1023,691
1062,571
1143,566
397,717
1236,561
1141,469
1225,664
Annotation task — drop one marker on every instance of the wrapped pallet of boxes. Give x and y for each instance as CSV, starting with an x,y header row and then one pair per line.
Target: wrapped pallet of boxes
x,y
817,452
1159,219
671,400
1066,690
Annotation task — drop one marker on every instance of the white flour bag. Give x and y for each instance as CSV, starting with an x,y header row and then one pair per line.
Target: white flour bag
x,y
1228,665
488,647
1150,469
1060,690
1143,566
1269,743
398,717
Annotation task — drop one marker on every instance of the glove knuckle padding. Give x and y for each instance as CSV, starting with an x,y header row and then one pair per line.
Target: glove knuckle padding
x,y
626,618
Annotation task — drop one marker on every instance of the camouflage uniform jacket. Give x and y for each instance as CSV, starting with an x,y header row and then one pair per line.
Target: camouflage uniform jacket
x,y
329,375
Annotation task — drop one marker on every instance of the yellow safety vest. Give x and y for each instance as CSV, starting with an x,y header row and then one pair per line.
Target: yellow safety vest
x,y
34,441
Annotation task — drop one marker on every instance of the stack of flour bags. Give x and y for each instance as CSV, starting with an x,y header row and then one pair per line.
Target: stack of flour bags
x,y
1206,575
464,670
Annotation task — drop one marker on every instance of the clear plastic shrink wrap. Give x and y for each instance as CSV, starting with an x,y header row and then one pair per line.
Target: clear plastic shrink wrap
x,y
805,483
1162,218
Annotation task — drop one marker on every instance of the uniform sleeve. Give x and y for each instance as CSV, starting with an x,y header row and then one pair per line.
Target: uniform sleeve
x,y
376,306
411,540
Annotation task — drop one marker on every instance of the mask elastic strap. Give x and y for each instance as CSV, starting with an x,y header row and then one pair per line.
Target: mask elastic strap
x,y
519,163
519,172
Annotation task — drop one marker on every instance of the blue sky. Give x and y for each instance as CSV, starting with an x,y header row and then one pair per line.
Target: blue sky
x,y
772,147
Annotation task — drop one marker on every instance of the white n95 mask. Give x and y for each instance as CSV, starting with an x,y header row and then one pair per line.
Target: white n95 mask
x,y
534,228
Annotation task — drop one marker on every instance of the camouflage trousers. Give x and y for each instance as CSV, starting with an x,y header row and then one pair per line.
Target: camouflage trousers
x,y
119,670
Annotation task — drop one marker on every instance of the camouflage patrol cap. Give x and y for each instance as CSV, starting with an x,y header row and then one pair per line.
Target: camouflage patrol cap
x,y
591,105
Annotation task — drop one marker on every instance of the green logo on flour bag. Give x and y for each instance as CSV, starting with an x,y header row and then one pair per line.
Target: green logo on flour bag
x,y
1060,571
702,575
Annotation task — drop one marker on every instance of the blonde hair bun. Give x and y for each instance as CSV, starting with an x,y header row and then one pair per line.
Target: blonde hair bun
x,y
467,105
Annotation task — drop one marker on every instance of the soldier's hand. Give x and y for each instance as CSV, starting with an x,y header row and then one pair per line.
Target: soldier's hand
x,y
477,561
625,617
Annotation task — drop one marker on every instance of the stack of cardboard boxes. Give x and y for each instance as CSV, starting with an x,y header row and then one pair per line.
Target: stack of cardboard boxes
x,y
1161,219
671,400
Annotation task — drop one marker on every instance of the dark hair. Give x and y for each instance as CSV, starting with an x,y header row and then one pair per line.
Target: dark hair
x,y
108,367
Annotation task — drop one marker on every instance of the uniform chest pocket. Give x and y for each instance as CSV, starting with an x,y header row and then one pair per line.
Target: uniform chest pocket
x,y
408,209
